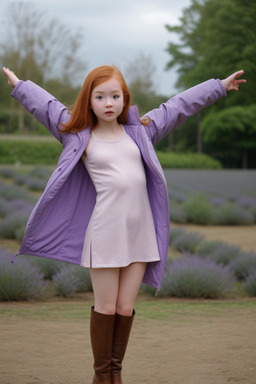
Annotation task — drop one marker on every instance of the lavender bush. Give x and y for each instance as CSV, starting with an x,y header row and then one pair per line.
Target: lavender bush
x,y
71,279
8,173
206,248
18,281
250,284
40,173
225,254
176,232
194,277
198,210
232,214
5,208
246,202
243,266
178,215
11,224
11,192
48,267
187,241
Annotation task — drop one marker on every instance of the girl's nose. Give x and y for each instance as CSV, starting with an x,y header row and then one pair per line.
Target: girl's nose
x,y
108,102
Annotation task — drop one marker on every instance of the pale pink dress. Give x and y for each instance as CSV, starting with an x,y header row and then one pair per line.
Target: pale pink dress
x,y
121,229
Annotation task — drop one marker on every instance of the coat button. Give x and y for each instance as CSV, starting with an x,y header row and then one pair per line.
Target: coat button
x,y
59,169
74,150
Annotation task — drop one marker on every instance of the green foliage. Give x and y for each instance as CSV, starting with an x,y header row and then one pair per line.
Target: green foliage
x,y
215,38
29,152
187,161
198,210
232,214
235,126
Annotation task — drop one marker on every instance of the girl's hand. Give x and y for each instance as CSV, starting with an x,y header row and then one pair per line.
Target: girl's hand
x,y
231,83
12,78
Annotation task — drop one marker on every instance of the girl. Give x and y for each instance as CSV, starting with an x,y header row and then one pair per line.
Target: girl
x,y
105,206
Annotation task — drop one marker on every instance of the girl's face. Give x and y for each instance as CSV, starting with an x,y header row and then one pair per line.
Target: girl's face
x,y
107,101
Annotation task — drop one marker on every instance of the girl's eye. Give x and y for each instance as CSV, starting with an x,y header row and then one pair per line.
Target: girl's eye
x,y
98,97
116,96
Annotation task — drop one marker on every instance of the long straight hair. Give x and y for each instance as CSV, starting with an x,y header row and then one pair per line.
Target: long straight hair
x,y
81,115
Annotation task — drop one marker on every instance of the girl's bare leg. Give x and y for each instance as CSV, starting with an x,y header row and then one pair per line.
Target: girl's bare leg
x,y
115,289
129,284
105,282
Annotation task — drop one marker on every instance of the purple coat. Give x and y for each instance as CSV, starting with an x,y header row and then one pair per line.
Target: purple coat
x,y
57,225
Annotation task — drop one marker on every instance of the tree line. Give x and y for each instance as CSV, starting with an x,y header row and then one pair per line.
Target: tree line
x,y
215,38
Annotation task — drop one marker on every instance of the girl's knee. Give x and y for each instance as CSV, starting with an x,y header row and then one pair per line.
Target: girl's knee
x,y
124,309
106,308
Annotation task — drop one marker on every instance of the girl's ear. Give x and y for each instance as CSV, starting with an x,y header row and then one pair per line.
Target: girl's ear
x,y
145,120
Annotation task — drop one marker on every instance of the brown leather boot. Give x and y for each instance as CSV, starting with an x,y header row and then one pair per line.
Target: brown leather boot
x,y
123,325
101,331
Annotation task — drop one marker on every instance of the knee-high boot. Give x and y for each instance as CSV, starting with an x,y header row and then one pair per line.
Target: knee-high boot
x,y
123,325
101,332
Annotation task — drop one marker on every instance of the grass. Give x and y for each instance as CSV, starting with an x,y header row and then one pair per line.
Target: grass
x,y
78,309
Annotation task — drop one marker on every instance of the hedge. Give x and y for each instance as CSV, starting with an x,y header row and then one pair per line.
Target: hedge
x,y
47,152
187,160
29,152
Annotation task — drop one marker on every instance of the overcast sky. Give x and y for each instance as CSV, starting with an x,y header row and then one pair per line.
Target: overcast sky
x,y
116,32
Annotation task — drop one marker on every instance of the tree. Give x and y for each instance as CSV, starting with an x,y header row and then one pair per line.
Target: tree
x,y
139,74
216,38
39,48
233,128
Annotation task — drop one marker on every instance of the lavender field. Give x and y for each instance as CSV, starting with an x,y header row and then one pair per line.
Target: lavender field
x,y
224,183
216,197
205,269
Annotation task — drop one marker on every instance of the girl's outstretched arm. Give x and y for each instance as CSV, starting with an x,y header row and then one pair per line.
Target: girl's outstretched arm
x,y
231,83
12,78
41,104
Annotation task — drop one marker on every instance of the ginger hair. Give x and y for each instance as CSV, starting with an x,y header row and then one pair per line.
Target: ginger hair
x,y
81,114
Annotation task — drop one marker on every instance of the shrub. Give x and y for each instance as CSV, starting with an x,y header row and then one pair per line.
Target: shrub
x,y
12,192
177,215
30,151
250,284
206,248
194,277
198,209
217,201
71,279
176,232
48,267
11,224
32,183
242,266
232,214
187,241
5,208
65,282
41,173
177,196
8,173
246,201
225,254
253,212
187,161
18,281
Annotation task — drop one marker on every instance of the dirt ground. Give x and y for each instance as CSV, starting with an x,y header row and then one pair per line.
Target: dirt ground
x,y
190,343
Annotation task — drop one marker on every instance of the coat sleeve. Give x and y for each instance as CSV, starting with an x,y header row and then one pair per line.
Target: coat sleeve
x,y
41,104
179,108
